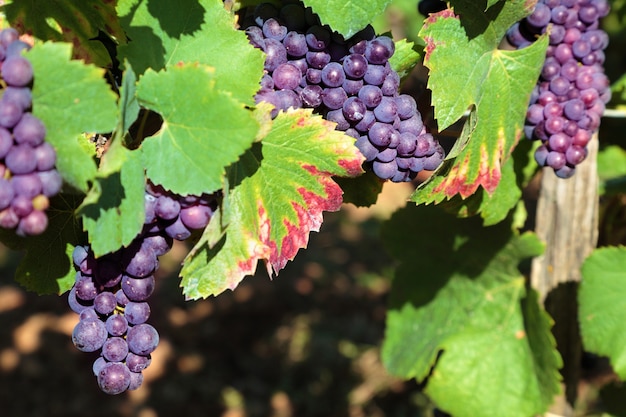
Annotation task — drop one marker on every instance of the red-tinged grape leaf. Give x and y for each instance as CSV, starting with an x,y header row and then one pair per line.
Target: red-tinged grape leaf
x,y
347,16
204,129
495,207
113,210
47,268
280,188
468,71
75,22
460,316
71,98
193,31
602,303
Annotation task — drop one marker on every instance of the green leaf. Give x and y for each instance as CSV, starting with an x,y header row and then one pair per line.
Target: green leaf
x,y
280,189
75,22
602,302
461,316
347,17
113,211
71,98
47,266
404,58
612,169
128,105
203,131
194,31
494,84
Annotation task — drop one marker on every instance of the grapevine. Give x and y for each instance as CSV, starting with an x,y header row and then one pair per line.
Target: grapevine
x,y
223,132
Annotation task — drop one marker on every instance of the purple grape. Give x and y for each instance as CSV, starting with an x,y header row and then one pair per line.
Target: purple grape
x,y
45,156
21,159
89,335
166,207
29,130
142,339
138,289
386,111
115,349
355,66
371,96
354,109
137,363
10,113
17,71
136,312
379,50
114,378
8,36
275,54
116,325
352,87
274,30
333,98
177,230
337,116
6,193
311,96
28,185
136,379
85,289
375,74
333,75
19,95
387,155
161,244
295,44
286,76
51,182
105,303
380,134
385,170
98,364
317,59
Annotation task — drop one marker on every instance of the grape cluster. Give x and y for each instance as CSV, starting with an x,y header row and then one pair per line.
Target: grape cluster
x,y
111,292
570,96
28,177
349,82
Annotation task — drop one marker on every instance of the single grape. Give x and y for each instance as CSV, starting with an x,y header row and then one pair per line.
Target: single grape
x,y
89,335
142,339
114,378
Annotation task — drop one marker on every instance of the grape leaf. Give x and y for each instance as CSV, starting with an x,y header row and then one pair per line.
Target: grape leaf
x,y
47,266
128,105
113,210
495,84
612,170
495,207
602,302
193,31
460,315
347,17
203,131
71,98
75,22
280,188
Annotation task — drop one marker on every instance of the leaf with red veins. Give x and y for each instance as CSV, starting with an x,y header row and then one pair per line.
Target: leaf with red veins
x,y
280,189
468,71
76,22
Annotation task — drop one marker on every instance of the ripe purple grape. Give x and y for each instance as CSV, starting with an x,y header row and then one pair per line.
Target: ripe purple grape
x,y
114,378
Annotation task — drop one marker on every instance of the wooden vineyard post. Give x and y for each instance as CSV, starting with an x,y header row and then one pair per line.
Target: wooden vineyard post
x,y
567,222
